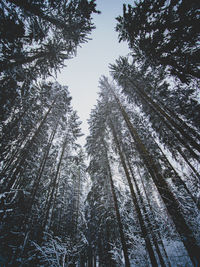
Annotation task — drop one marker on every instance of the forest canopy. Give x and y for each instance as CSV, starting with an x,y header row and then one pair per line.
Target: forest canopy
x,y
164,33
130,197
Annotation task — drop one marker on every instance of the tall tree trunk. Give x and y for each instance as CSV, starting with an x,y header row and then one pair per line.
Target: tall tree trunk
x,y
111,262
149,223
78,201
42,166
52,216
188,162
25,151
166,118
54,183
177,179
183,124
121,232
13,155
6,129
146,215
170,201
135,202
154,222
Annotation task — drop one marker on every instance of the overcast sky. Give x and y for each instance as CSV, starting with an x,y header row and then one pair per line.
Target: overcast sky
x,y
83,71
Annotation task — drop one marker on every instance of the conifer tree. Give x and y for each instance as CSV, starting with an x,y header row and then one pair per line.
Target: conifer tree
x,y
34,182
163,33
184,138
172,205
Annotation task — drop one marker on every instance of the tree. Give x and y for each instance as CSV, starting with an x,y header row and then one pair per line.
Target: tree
x,y
46,33
163,33
34,183
188,238
148,92
36,39
118,129
100,167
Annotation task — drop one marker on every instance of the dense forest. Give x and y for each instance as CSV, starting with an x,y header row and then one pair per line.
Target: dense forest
x,y
131,196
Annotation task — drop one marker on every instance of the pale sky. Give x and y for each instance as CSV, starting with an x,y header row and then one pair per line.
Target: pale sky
x,y
93,58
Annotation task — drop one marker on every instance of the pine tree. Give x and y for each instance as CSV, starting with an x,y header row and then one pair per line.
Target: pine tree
x,y
170,201
33,181
141,90
103,166
52,31
165,34
41,36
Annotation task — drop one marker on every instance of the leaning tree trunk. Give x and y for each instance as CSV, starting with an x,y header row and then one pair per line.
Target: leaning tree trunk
x,y
121,231
55,180
172,205
136,204
42,166
147,219
183,124
154,222
180,133
176,179
15,169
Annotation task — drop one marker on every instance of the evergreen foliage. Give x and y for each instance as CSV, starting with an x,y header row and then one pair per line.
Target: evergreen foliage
x,y
164,33
119,133
41,179
136,202
37,38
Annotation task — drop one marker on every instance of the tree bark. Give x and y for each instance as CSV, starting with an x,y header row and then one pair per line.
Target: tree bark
x,y
170,201
166,117
16,167
54,183
135,202
121,232
156,225
42,165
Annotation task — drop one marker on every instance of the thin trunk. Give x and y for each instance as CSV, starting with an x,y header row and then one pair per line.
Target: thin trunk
x,y
170,201
175,176
188,163
178,148
94,261
111,262
168,119
49,187
27,219
42,165
52,215
90,256
147,219
78,201
7,128
155,223
25,151
73,208
121,232
177,179
17,150
183,124
135,202
12,155
54,183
